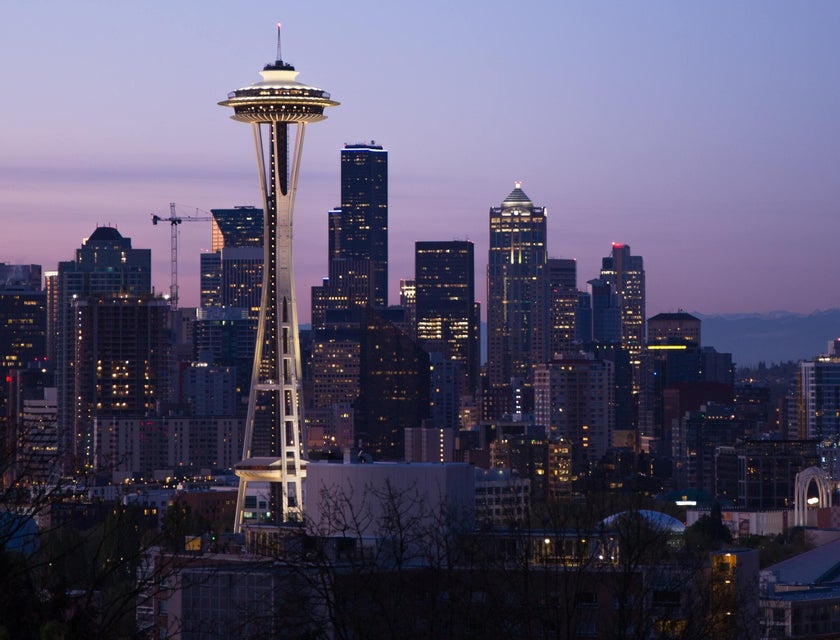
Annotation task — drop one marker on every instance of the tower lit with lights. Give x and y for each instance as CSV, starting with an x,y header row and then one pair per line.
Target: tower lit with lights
x,y
278,108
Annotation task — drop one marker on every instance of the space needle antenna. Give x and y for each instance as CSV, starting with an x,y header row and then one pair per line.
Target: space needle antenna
x,y
279,25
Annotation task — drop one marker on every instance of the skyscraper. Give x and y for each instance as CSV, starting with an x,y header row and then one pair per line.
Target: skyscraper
x,y
818,396
231,275
106,264
394,384
446,312
517,253
357,258
575,399
278,109
556,304
359,229
121,362
231,290
626,274
23,347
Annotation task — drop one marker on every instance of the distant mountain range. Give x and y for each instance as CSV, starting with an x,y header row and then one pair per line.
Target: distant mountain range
x,y
777,336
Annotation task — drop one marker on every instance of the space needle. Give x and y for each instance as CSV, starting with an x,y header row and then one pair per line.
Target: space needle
x,y
278,108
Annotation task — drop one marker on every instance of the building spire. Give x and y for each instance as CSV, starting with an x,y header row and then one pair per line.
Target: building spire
x,y
279,56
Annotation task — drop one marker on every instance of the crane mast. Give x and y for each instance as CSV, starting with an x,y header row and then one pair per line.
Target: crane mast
x,y
174,221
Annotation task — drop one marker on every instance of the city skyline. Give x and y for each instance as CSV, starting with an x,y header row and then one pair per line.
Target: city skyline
x,y
702,137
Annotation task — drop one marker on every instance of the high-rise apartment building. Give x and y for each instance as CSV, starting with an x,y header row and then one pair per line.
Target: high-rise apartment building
x,y
447,315
818,397
105,264
121,362
517,253
574,399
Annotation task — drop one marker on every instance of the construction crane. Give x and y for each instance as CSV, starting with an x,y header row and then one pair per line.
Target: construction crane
x,y
174,220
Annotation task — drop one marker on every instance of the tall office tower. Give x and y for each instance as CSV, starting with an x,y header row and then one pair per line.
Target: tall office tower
x,y
447,315
122,362
359,229
394,385
818,398
626,274
278,109
241,226
105,264
231,274
517,253
231,290
557,305
583,317
225,337
358,237
348,288
445,390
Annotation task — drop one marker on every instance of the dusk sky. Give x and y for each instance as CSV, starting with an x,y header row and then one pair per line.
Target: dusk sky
x,y
704,135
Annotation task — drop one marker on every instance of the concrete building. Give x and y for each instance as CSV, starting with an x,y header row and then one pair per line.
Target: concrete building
x,y
127,447
369,495
800,597
575,399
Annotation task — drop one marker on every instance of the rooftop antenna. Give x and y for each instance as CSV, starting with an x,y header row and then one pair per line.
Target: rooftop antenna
x,y
279,57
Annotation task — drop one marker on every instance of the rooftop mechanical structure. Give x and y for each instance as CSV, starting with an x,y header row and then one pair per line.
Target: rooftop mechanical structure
x,y
278,108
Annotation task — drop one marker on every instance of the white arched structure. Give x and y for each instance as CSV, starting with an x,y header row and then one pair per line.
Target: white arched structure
x,y
800,500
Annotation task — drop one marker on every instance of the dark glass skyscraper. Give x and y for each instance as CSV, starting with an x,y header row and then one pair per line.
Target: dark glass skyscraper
x,y
231,275
393,384
359,229
446,311
517,253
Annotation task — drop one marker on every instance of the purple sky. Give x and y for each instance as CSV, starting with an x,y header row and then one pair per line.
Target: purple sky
x,y
705,135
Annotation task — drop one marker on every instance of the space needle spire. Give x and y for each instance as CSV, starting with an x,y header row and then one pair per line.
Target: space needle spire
x,y
278,108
